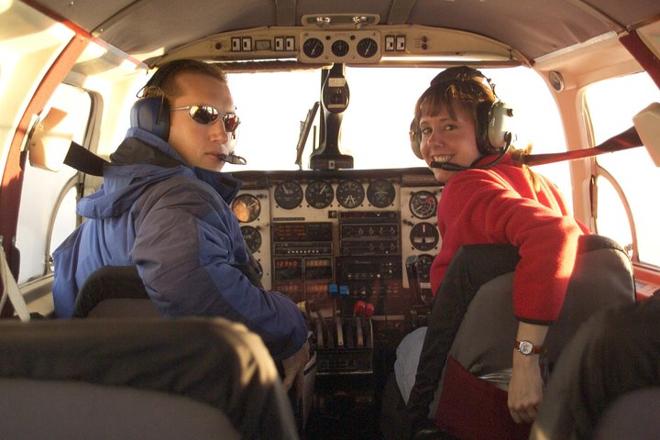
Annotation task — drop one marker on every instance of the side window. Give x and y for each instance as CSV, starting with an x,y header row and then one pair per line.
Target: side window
x,y
612,105
40,227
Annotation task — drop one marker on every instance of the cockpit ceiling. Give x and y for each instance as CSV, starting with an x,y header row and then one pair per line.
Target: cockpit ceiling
x,y
533,27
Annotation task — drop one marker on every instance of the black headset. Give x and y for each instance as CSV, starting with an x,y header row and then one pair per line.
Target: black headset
x,y
492,125
152,111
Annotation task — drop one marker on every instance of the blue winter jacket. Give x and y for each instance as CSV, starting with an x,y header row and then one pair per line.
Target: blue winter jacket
x,y
173,222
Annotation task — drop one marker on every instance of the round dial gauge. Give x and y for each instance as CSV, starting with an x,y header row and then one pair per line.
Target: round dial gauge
x,y
252,238
313,47
350,194
367,47
424,236
319,194
381,193
339,48
246,208
423,266
423,204
288,195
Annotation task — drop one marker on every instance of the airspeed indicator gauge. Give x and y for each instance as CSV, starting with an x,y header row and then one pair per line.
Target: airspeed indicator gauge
x,y
288,195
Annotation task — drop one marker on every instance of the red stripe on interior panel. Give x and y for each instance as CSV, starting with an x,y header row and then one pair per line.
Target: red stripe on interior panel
x,y
644,56
12,179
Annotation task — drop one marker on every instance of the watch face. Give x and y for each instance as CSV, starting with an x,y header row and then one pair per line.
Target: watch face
x,y
525,347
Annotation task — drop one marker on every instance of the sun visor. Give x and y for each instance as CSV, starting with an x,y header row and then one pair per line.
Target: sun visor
x,y
49,141
647,124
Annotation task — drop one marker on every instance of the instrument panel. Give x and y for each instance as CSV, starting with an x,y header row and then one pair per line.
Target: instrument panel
x,y
348,234
349,47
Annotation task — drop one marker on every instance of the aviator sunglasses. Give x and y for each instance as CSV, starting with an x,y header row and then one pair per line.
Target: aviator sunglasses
x,y
207,114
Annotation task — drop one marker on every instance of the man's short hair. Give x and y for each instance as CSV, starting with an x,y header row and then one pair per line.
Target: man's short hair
x,y
163,82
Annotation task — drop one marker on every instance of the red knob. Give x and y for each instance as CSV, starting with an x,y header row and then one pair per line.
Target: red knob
x,y
359,308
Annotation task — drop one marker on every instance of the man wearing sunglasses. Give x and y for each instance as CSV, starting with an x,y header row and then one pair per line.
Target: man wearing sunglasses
x,y
164,209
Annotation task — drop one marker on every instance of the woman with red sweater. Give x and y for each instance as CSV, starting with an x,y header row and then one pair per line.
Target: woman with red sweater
x,y
489,198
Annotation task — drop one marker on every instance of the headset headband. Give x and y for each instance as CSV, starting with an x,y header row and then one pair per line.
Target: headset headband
x,y
461,74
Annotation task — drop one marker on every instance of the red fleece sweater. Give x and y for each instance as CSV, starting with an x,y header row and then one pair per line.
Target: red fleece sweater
x,y
500,206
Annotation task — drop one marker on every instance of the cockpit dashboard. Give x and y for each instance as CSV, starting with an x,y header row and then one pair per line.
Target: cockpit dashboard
x,y
347,233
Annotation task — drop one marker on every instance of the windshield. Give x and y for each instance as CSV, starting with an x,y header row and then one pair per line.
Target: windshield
x,y
375,126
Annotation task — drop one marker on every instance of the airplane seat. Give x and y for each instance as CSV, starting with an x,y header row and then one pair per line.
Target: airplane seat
x,y
92,184
606,383
635,414
139,379
471,399
118,292
114,292
84,410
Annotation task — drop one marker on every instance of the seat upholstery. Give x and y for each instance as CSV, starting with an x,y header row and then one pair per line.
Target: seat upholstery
x,y
633,415
602,278
218,365
66,410
607,378
117,292
114,292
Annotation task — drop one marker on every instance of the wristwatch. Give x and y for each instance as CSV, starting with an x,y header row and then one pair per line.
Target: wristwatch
x,y
527,348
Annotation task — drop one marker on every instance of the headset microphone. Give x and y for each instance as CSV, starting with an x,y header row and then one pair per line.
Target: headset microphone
x,y
232,159
448,166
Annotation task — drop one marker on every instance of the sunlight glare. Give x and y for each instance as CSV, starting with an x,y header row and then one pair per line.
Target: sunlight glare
x,y
5,5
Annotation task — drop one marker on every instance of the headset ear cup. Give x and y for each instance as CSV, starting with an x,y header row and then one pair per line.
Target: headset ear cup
x,y
153,115
415,139
483,122
498,134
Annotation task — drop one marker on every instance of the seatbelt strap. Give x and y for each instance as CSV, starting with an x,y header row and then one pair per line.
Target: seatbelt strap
x,y
622,141
83,160
11,289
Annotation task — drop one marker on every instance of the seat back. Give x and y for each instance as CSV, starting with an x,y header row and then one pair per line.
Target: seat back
x,y
114,292
602,278
65,410
110,378
117,292
607,378
633,415
483,345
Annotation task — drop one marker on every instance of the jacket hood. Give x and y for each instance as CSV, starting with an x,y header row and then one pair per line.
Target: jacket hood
x,y
140,161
